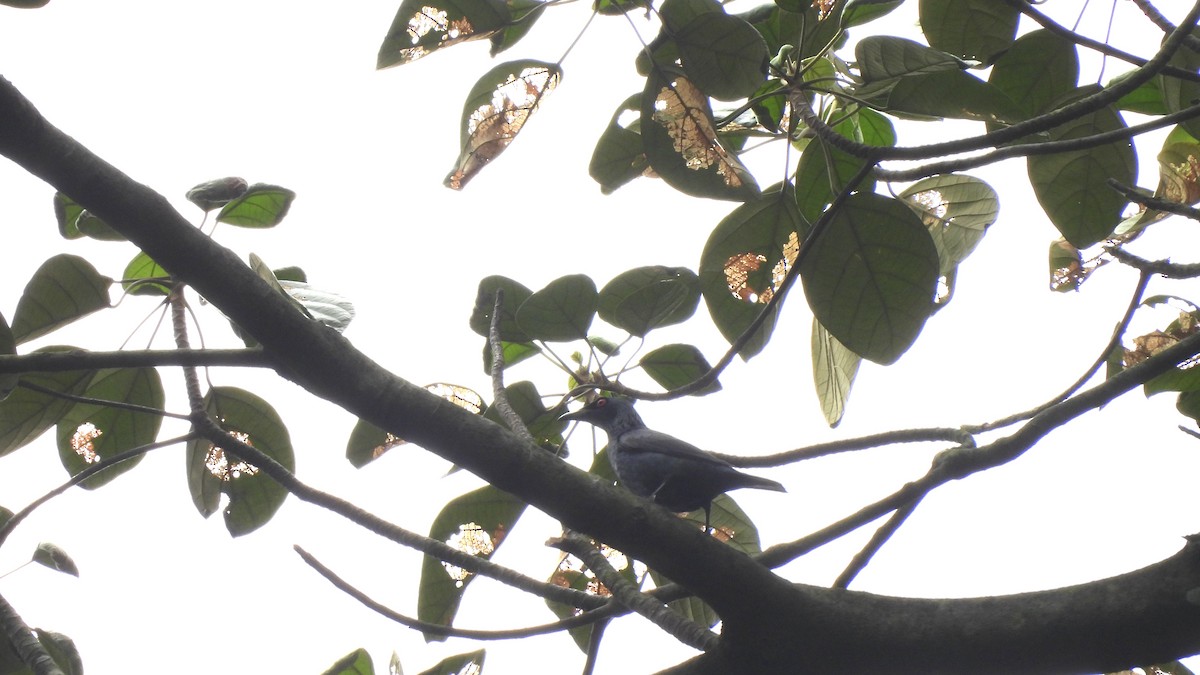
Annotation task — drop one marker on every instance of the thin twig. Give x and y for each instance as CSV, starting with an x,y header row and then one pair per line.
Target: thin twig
x,y
1154,203
54,362
685,630
930,435
118,405
501,403
1164,268
881,536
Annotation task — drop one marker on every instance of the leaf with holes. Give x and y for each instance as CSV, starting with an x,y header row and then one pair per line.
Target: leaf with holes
x,y
475,523
871,276
560,312
1073,186
212,470
834,368
676,365
65,288
90,433
423,26
26,413
957,209
682,144
368,442
745,260
496,110
646,298
261,205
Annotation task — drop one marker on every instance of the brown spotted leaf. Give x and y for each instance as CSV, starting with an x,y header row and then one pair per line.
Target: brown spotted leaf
x,y
422,26
496,110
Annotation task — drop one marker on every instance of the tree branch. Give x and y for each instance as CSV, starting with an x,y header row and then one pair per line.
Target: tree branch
x,y
47,362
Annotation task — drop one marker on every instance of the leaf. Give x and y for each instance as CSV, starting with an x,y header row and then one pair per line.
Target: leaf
x,y
745,260
357,662
882,57
515,294
26,413
423,26
957,209
1178,93
471,662
953,94
1147,99
219,192
644,298
524,14
971,29
261,205
8,347
253,496
368,442
476,523
65,288
560,312
542,422
327,307
723,55
682,145
824,170
138,275
1036,71
55,558
74,221
870,277
62,649
834,369
89,433
1178,182
513,352
1072,186
619,156
496,110
676,365
859,12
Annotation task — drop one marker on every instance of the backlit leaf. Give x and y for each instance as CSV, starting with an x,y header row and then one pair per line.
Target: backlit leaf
x,y
219,192
25,414
74,221
619,156
957,209
560,312
90,433
65,288
8,346
722,55
676,365
514,293
496,110
357,662
834,368
261,205
368,442
882,57
646,298
463,664
1178,93
871,276
1037,70
970,29
55,558
422,26
143,276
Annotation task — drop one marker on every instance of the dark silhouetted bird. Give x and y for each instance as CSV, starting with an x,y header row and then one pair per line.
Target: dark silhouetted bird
x,y
671,472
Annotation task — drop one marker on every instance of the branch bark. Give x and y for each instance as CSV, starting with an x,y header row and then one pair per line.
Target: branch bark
x,y
770,625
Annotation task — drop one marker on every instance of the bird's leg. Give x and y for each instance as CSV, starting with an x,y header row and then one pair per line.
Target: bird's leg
x,y
707,517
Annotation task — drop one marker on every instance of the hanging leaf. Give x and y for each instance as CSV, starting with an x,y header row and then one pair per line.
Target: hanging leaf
x,y
261,205
357,662
55,558
745,260
646,298
65,288
834,368
475,523
422,26
677,365
1178,181
560,312
89,433
496,110
871,276
253,496
971,29
25,414
143,276
1072,186
682,145
619,156
471,662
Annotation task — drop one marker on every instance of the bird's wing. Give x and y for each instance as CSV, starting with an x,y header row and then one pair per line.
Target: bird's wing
x,y
649,440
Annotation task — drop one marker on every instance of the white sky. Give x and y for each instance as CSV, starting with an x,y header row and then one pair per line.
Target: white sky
x,y
175,94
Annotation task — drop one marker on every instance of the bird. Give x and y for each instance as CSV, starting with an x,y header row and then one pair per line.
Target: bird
x,y
671,472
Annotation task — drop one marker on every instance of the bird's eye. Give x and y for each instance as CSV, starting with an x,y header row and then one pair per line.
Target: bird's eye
x,y
601,402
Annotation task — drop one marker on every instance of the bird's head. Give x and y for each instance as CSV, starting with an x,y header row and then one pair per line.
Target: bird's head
x,y
605,412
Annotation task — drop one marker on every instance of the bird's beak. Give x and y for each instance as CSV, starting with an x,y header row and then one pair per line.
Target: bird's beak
x,y
571,416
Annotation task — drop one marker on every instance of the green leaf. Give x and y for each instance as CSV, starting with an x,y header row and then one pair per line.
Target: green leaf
x,y
645,298
26,413
953,94
8,346
1178,93
882,57
1147,99
89,433
261,205
723,55
1037,70
471,662
524,14
328,307
476,523
422,26
74,221
824,170
682,145
673,366
834,369
1072,186
514,353
253,496
65,288
55,558
515,294
560,312
496,110
219,192
368,443
542,422
62,649
619,156
744,262
137,273
971,29
859,12
957,209
357,662
870,277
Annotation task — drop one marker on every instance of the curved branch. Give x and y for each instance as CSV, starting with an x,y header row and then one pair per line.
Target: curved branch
x,y
957,436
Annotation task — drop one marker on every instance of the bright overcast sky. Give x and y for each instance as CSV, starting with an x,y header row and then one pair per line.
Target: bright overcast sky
x,y
175,94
